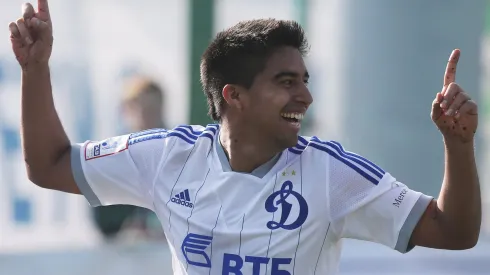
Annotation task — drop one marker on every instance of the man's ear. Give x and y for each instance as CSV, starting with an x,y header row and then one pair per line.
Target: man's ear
x,y
233,96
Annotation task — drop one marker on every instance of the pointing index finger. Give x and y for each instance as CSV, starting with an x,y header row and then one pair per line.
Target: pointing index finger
x,y
43,9
450,74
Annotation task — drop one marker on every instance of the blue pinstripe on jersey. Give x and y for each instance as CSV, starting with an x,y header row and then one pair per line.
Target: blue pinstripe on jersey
x,y
192,210
301,228
189,135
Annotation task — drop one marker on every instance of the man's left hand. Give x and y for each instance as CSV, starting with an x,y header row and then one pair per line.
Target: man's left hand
x,y
453,111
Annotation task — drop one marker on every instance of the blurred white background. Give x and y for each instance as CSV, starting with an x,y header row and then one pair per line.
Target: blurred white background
x,y
375,67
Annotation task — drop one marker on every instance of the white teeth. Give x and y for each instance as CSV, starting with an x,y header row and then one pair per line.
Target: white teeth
x,y
298,116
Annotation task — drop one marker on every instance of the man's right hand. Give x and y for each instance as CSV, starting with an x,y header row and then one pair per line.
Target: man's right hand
x,y
32,35
45,144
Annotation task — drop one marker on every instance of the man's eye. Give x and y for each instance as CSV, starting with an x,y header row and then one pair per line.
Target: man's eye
x,y
287,82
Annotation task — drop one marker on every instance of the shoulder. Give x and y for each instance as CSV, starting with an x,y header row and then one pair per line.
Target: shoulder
x,y
337,158
153,145
185,134
147,148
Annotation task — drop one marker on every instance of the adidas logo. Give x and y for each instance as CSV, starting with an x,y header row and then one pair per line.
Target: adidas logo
x,y
183,198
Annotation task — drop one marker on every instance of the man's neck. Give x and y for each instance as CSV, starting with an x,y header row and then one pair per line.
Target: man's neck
x,y
245,150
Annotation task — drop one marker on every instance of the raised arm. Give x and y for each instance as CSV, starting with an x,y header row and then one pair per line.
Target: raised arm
x,y
45,145
369,204
454,220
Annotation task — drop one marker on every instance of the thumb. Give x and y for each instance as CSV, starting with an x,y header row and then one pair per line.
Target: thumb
x,y
41,28
436,107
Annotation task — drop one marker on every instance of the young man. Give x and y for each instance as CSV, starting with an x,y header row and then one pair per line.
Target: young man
x,y
248,196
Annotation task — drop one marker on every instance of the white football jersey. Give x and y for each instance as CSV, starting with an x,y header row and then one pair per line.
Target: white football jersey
x,y
286,217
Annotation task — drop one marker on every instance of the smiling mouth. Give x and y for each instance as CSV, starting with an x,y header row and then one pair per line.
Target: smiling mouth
x,y
293,117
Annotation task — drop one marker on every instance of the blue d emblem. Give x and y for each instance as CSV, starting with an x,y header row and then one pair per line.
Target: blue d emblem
x,y
271,205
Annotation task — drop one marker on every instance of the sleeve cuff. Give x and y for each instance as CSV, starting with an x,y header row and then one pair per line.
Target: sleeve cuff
x,y
79,176
403,244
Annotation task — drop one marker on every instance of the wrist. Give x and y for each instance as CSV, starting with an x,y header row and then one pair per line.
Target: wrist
x,y
35,68
458,146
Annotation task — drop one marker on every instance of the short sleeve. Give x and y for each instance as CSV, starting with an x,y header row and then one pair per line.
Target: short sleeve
x,y
119,170
367,203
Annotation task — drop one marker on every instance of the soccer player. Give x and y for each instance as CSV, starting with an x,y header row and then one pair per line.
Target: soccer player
x,y
248,195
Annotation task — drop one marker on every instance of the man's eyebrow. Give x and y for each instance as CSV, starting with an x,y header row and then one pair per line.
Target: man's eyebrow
x,y
290,74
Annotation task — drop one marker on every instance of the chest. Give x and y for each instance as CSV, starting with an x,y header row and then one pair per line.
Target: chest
x,y
228,217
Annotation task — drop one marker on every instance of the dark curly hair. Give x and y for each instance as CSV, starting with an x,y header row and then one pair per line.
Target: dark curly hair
x,y
239,53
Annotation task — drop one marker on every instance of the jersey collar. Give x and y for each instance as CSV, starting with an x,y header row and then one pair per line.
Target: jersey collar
x,y
259,172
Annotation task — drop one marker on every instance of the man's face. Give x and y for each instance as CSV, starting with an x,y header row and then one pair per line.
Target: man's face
x,y
279,98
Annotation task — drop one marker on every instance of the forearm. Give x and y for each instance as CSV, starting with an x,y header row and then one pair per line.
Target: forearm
x,y
44,140
459,201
